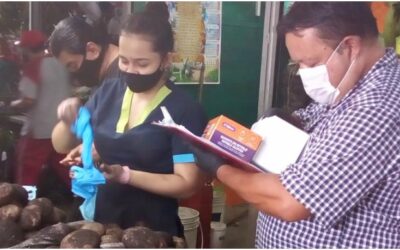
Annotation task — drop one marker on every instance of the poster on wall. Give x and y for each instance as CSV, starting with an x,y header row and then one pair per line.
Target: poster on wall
x,y
387,15
197,34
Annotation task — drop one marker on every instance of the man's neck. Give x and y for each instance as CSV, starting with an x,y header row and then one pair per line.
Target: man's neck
x,y
371,54
110,54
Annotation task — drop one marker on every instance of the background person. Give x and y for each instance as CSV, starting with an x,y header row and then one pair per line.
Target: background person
x,y
43,85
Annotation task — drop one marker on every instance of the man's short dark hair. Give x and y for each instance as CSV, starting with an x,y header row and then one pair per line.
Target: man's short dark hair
x,y
333,20
73,33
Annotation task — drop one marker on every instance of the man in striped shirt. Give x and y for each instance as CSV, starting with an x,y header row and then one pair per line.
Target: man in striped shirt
x,y
343,192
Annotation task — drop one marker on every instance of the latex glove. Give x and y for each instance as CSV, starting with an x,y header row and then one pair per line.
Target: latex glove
x,y
67,110
117,173
206,161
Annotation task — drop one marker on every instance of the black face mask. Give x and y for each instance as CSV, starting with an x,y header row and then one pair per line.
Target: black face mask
x,y
141,83
88,73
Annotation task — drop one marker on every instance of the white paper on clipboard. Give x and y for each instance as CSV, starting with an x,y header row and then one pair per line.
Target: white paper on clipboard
x,y
282,144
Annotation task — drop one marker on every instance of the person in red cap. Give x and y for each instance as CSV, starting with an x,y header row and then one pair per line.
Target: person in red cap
x,y
33,39
43,85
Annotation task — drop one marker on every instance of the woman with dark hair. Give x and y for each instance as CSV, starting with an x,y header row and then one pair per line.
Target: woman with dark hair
x,y
148,169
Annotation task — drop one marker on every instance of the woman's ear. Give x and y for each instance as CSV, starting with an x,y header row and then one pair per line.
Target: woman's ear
x,y
93,51
167,61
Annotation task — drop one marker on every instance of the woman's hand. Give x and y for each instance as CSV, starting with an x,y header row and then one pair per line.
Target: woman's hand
x,y
117,173
67,110
73,157
95,155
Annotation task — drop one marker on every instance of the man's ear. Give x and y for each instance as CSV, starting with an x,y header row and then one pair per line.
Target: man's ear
x,y
93,51
354,44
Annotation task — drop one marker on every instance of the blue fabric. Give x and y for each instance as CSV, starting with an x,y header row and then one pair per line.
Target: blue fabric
x,y
86,179
183,158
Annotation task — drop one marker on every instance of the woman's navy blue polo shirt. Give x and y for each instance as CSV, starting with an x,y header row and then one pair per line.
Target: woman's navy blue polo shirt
x,y
144,147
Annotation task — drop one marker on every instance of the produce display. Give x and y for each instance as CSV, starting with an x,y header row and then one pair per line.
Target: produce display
x,y
39,224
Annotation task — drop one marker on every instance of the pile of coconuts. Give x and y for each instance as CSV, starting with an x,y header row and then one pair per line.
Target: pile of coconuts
x,y
39,224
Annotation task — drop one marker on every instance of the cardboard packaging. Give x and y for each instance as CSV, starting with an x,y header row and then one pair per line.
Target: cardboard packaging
x,y
233,137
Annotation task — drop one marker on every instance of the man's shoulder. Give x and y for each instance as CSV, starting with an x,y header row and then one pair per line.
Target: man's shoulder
x,y
381,90
31,70
48,59
51,68
50,63
113,68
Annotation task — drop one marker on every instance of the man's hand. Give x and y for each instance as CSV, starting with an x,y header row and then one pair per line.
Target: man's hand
x,y
117,173
207,161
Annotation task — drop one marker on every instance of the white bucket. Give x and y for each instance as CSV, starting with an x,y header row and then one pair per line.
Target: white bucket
x,y
31,192
190,221
218,206
217,236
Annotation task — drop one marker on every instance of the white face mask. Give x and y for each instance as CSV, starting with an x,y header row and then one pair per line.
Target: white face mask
x,y
316,82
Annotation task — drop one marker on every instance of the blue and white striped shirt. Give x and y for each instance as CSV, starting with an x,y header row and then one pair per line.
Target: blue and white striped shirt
x,y
349,174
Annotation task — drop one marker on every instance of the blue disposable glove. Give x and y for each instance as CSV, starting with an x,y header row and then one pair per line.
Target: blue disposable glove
x,y
86,179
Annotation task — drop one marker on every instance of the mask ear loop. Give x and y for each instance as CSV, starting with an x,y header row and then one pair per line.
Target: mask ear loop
x,y
337,47
347,72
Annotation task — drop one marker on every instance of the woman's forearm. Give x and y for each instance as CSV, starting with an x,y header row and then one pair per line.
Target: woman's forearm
x,y
177,185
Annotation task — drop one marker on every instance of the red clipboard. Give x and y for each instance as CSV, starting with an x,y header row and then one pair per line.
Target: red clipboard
x,y
209,146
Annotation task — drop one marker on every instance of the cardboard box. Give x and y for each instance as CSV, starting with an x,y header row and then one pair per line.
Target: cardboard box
x,y
233,137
